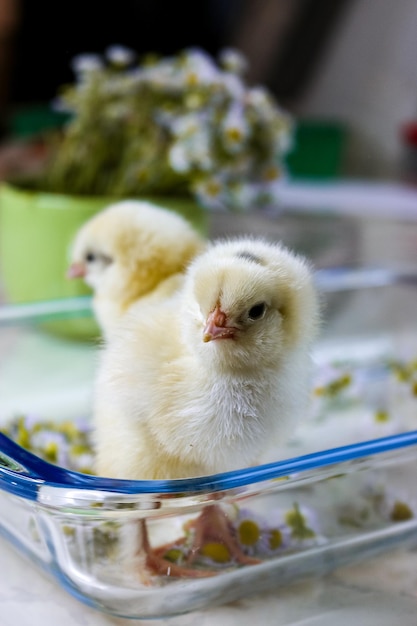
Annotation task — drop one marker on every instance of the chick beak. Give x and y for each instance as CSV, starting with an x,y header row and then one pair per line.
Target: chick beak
x,y
76,270
216,326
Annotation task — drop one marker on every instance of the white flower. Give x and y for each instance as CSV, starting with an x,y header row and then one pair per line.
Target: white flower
x,y
30,421
256,535
51,445
81,462
195,149
83,425
267,193
84,63
398,507
211,192
303,525
176,75
241,196
163,76
199,68
235,129
267,113
332,380
232,85
258,97
186,125
179,158
282,133
43,437
233,61
120,55
392,504
192,146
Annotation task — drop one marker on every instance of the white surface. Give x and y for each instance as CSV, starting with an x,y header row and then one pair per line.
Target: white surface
x,y
355,197
380,593
45,375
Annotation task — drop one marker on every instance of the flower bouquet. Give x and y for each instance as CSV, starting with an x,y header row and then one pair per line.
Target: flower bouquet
x,y
178,125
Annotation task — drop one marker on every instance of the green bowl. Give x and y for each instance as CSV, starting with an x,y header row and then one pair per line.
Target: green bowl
x,y
36,232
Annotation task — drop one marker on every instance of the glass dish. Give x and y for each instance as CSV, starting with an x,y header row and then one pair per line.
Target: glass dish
x,y
344,489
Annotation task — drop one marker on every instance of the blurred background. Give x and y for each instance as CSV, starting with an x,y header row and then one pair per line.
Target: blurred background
x,y
345,68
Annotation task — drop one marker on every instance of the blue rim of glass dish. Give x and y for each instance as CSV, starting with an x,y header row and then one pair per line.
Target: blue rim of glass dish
x,y
34,472
23,473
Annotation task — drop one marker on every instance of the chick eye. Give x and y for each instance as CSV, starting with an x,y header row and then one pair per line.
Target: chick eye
x,y
257,311
90,257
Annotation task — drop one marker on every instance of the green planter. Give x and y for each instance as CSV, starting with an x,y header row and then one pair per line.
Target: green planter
x,y
319,147
36,231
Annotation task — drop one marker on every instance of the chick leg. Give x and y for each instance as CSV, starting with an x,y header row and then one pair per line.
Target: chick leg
x,y
214,537
160,566
213,528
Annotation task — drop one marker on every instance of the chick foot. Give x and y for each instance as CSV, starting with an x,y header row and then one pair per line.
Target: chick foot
x,y
214,537
213,529
160,566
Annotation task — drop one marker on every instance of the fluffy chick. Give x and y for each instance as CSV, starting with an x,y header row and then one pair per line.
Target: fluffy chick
x,y
129,250
214,377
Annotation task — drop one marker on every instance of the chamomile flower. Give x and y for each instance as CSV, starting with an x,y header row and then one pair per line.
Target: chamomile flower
x,y
81,457
50,445
192,152
303,525
396,505
258,97
68,444
215,553
185,126
400,511
211,192
257,536
379,504
332,380
84,63
232,85
267,193
334,388
260,102
120,56
234,129
233,61
282,127
177,553
197,68
31,421
200,149
180,158
241,196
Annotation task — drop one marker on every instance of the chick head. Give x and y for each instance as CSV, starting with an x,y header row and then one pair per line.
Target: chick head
x,y
249,304
127,249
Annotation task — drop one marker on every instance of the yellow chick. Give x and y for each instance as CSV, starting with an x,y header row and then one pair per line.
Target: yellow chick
x,y
210,379
130,250
214,377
